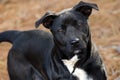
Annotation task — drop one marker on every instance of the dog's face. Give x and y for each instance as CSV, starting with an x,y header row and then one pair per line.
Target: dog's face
x,y
70,32
70,28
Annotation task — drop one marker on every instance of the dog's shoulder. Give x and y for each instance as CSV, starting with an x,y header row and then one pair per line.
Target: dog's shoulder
x,y
34,35
36,38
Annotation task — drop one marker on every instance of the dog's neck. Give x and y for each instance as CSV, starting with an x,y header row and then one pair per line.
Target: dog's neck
x,y
59,64
57,51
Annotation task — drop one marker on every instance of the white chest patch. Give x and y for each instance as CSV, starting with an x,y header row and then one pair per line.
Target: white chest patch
x,y
70,63
80,73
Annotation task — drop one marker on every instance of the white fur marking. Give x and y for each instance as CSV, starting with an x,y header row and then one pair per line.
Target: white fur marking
x,y
70,63
80,73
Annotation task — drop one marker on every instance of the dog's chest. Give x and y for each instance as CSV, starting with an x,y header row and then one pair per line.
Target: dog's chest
x,y
70,63
79,73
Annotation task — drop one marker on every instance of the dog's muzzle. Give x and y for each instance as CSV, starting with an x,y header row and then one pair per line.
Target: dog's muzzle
x,y
77,46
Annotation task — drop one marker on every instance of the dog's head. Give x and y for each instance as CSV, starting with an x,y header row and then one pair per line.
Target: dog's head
x,y
70,28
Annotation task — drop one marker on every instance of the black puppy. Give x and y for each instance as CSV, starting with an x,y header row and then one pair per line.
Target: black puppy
x,y
36,55
72,37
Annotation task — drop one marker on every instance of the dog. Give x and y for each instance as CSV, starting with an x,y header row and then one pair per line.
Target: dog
x,y
37,55
73,38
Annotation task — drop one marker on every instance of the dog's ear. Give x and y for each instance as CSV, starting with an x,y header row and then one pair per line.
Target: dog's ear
x,y
46,20
85,8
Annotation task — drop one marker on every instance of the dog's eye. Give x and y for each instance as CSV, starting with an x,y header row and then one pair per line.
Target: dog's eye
x,y
60,30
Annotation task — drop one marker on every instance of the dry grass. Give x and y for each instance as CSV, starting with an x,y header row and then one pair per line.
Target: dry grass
x,y
105,27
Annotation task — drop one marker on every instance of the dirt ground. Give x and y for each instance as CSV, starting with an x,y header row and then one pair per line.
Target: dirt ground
x,y
104,24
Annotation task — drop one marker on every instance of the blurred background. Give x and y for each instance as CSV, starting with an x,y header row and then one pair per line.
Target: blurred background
x,y
104,25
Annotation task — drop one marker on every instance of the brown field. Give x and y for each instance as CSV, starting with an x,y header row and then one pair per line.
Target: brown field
x,y
104,24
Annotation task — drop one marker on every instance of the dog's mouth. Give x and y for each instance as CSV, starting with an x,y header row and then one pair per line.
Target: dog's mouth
x,y
74,52
77,51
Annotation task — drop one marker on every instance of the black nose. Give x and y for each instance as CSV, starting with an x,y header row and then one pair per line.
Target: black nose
x,y
75,42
